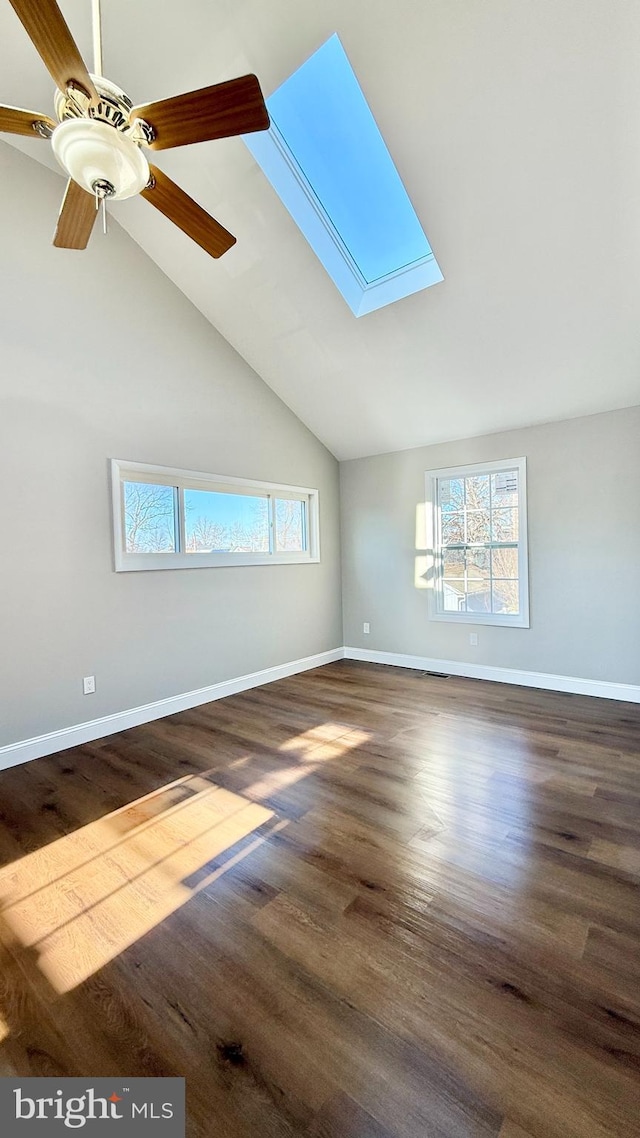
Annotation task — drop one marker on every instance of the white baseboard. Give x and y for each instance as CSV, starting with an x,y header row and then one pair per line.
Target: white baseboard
x,y
35,748
27,749
604,689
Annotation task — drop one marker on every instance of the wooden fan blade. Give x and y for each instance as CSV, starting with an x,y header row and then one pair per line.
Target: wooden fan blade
x,y
226,109
47,28
191,218
77,218
13,120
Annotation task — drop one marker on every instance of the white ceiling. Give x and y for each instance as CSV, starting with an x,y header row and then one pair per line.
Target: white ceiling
x,y
515,125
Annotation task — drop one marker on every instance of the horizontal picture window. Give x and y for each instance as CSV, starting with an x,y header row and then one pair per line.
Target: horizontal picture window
x,y
166,518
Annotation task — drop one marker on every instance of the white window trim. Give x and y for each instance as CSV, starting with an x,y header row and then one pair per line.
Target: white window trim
x,y
123,470
277,162
436,610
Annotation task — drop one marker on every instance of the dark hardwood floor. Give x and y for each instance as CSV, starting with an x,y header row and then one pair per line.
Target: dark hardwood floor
x,y
357,903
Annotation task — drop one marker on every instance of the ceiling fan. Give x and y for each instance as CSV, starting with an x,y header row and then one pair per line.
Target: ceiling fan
x,y
100,138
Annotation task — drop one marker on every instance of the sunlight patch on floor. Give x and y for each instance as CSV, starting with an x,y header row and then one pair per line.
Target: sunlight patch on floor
x,y
326,735
312,748
79,902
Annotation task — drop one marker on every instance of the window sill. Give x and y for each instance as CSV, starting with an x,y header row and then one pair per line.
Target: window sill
x,y
519,621
145,562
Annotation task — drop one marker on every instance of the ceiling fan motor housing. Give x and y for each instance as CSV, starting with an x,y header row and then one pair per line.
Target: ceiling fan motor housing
x,y
113,105
97,145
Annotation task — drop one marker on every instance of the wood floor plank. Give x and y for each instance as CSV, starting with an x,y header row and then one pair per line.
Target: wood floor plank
x,y
622,857
344,1118
618,955
361,902
512,1130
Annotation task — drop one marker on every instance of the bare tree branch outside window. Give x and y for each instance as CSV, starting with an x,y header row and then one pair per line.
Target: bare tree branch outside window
x,y
149,518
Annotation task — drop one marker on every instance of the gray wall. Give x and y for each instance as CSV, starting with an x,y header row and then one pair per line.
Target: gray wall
x,y
101,356
584,551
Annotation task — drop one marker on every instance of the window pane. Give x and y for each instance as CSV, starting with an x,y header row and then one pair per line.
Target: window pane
x,y
505,597
453,596
453,562
504,488
478,564
451,494
505,525
477,492
290,527
504,562
225,523
474,596
478,527
452,529
478,595
149,518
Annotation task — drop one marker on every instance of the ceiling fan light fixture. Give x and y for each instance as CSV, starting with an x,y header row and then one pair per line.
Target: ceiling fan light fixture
x,y
100,134
93,152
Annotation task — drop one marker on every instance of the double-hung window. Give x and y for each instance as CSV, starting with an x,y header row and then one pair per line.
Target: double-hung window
x,y
477,537
180,519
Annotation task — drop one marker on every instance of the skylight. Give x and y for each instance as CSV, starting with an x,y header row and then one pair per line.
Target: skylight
x,y
327,160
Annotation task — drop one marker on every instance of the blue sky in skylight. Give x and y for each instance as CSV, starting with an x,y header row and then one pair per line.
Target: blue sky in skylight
x,y
326,122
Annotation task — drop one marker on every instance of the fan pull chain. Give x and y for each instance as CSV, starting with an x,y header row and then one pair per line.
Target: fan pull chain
x,y
101,197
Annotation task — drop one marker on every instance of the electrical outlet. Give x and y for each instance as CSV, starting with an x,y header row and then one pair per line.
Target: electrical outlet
x,y
366,628
89,685
473,639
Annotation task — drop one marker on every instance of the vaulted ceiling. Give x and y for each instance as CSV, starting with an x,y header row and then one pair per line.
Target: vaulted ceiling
x,y
516,129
